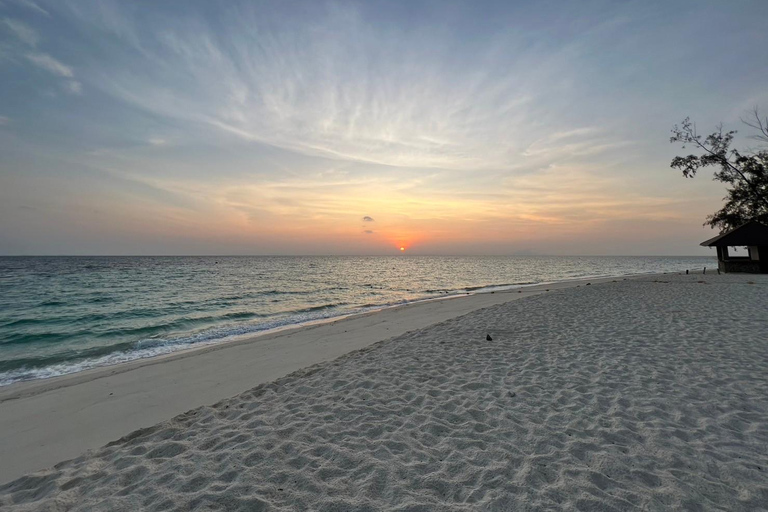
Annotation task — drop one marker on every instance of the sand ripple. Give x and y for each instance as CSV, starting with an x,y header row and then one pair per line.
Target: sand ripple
x,y
635,395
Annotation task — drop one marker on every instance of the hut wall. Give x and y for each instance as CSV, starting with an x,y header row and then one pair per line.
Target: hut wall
x,y
741,265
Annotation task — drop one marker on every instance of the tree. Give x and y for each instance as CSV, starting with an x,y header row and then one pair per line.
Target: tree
x,y
745,174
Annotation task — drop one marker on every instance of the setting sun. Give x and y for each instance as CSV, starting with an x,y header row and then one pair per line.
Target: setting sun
x,y
402,248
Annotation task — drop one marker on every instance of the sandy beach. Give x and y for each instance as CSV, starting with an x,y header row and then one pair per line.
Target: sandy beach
x,y
47,421
642,394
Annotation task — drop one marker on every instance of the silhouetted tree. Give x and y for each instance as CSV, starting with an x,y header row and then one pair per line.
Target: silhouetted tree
x,y
745,174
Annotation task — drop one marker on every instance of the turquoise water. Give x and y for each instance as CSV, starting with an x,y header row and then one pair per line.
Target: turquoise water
x,y
61,315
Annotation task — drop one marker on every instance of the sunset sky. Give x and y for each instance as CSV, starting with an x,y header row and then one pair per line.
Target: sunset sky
x,y
194,127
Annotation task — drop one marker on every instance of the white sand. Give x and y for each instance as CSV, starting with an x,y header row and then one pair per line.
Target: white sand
x,y
644,394
45,422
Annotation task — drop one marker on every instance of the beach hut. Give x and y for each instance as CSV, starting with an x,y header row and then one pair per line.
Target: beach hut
x,y
754,236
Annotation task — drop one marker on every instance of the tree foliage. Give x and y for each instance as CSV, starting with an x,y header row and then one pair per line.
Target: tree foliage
x,y
744,173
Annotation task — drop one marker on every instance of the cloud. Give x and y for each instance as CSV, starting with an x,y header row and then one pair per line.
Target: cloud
x,y
368,232
338,87
23,32
573,143
29,4
4,120
48,63
73,87
368,219
156,141
58,68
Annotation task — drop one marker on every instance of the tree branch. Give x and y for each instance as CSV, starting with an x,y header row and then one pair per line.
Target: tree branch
x,y
758,124
724,161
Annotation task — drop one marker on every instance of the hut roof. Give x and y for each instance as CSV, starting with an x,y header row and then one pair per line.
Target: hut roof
x,y
750,233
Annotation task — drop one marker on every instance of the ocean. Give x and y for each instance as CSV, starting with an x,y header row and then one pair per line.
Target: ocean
x,y
60,315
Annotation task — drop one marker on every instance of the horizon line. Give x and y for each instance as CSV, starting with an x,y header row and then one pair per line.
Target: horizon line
x,y
398,254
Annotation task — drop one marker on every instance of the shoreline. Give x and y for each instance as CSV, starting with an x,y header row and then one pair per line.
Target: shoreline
x,y
252,336
49,420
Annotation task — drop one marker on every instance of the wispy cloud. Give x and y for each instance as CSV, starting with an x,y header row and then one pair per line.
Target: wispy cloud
x,y
29,4
4,120
364,94
50,64
367,219
73,87
22,31
573,143
30,38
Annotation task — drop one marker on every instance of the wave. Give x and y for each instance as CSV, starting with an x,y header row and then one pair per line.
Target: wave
x,y
73,361
69,362
285,292
499,286
71,331
52,303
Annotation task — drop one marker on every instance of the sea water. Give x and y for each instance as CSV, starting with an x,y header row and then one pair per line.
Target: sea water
x,y
61,315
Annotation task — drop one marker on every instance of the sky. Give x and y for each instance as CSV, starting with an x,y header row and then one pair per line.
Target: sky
x,y
442,127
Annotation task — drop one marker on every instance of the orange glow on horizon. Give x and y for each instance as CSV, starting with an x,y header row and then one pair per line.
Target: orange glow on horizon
x,y
403,240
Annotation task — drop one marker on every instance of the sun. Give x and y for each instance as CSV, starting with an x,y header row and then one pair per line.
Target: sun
x,y
402,249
